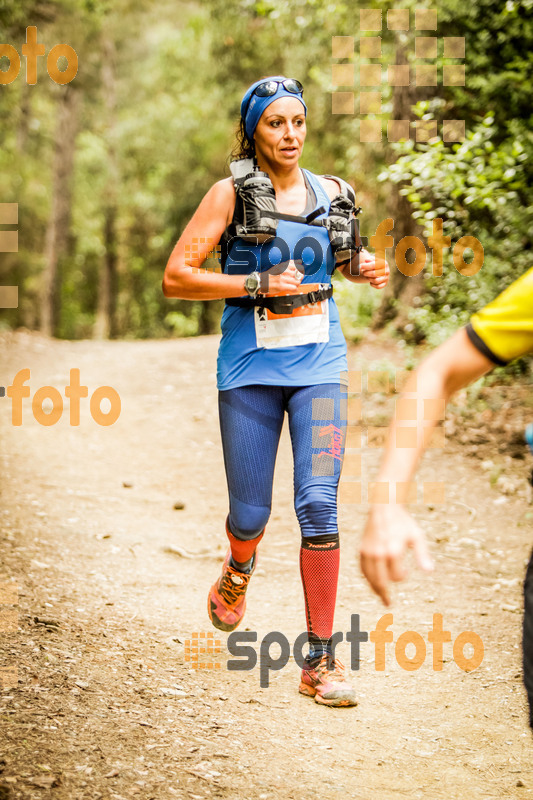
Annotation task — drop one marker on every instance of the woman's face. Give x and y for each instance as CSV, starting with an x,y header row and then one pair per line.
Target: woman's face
x,y
280,133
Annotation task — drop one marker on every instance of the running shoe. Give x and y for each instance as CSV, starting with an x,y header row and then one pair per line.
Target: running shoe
x,y
326,683
226,602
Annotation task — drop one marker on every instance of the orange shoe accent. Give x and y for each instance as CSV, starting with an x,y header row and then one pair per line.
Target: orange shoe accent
x,y
326,683
226,601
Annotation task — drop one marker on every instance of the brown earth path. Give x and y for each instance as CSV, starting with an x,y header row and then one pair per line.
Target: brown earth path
x,y
106,704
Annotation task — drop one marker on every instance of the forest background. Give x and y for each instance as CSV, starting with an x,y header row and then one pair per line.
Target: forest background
x,y
108,169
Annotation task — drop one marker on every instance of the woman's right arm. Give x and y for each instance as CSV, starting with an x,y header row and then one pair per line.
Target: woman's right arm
x,y
184,276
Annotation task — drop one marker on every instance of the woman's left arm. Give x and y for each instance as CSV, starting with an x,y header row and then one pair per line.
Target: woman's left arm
x,y
363,267
366,268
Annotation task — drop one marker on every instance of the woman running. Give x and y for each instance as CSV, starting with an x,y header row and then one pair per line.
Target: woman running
x,y
282,350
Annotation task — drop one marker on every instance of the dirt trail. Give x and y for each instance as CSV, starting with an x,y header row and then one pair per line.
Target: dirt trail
x,y
106,704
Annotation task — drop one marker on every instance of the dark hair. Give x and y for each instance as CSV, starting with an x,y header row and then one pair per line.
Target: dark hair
x,y
244,147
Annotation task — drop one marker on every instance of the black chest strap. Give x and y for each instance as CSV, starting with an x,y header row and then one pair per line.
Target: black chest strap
x,y
283,304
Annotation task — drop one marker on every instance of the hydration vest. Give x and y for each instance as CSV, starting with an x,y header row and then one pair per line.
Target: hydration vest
x,y
255,215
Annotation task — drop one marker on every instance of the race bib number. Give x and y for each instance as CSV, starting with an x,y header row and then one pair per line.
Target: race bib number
x,y
307,324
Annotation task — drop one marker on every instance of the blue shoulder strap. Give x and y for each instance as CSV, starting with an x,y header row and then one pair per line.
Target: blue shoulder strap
x,y
345,189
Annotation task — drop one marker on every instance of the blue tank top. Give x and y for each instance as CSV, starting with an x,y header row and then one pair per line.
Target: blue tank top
x,y
240,361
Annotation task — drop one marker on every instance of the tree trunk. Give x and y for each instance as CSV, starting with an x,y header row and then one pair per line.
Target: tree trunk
x,y
399,294
105,325
57,232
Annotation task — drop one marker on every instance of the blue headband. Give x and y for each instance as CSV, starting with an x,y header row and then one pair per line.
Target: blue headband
x,y
258,104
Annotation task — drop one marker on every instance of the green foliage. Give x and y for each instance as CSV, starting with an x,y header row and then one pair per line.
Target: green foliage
x,y
357,304
182,325
499,59
477,189
150,146
482,186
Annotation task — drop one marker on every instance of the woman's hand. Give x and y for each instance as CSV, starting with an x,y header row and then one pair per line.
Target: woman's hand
x,y
284,278
376,270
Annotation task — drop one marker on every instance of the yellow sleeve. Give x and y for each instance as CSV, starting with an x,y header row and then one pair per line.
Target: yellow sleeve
x,y
503,329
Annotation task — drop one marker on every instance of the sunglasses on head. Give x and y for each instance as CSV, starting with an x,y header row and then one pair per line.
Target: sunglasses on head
x,y
268,88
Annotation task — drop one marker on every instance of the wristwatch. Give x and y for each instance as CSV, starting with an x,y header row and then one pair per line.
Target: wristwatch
x,y
252,284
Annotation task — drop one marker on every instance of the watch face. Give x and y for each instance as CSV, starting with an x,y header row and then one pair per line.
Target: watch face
x,y
252,283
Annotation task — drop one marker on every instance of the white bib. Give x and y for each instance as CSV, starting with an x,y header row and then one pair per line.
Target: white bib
x,y
307,324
